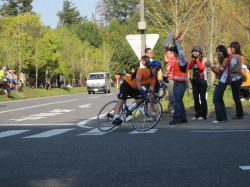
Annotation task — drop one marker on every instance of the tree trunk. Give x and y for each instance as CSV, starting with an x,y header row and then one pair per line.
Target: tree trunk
x,y
211,39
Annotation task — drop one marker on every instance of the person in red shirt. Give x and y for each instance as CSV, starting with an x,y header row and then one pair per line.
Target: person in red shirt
x,y
199,83
169,73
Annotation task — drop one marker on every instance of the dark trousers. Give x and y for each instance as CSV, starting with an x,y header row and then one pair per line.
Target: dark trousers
x,y
235,85
199,87
220,108
245,92
179,91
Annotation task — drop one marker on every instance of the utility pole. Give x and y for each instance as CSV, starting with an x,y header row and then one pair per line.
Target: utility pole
x,y
142,27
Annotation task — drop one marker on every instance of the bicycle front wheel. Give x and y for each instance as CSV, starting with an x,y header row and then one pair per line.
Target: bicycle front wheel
x,y
106,116
147,115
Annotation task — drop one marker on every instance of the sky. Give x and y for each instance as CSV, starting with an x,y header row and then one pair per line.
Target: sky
x,y
49,8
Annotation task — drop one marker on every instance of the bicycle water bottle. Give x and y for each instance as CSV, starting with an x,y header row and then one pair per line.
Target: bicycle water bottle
x,y
132,106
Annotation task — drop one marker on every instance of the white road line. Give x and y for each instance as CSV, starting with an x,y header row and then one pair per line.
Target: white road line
x,y
86,105
146,132
245,167
11,133
109,94
49,133
32,124
94,97
221,131
95,132
37,106
82,123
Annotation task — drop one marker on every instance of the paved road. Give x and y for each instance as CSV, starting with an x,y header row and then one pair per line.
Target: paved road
x,y
64,154
164,157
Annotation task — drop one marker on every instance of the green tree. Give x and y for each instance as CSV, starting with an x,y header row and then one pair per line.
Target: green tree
x,y
89,31
14,7
117,10
70,52
69,15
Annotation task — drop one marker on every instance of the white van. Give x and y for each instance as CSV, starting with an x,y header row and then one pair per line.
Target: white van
x,y
98,82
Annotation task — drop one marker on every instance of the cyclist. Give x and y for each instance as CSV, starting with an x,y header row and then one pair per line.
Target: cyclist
x,y
133,86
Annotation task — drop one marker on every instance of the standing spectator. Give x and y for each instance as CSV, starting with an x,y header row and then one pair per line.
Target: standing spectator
x,y
236,78
245,87
149,53
22,80
14,80
223,75
59,80
180,77
229,52
47,80
9,78
169,71
199,83
6,87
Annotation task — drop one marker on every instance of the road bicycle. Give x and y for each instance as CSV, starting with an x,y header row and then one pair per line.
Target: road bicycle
x,y
144,116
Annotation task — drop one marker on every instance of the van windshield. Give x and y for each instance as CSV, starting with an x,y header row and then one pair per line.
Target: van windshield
x,y
96,76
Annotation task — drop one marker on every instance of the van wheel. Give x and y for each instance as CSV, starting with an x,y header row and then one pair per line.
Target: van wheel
x,y
89,92
109,91
105,91
93,92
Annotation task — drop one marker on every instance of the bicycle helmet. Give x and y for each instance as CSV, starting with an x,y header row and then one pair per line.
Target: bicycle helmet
x,y
155,63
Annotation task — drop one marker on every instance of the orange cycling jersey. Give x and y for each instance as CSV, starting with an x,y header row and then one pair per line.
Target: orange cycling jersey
x,y
146,78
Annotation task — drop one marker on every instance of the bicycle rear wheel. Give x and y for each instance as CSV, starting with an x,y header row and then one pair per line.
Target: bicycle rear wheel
x,y
106,116
147,115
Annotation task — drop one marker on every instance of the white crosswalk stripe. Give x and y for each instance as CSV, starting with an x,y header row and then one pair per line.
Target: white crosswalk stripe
x,y
146,132
95,132
55,132
49,133
11,133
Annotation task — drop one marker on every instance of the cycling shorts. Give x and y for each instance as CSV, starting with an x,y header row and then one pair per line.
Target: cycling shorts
x,y
126,90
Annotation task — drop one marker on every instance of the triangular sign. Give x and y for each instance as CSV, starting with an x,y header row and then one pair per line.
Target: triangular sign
x,y
135,42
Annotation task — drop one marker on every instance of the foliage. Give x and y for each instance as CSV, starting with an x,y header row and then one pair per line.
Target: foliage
x,y
78,46
89,31
118,10
69,15
15,7
246,54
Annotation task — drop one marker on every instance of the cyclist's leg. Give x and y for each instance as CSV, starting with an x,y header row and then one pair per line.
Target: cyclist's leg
x,y
117,110
122,96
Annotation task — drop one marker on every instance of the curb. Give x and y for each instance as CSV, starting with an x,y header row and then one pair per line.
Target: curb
x,y
240,124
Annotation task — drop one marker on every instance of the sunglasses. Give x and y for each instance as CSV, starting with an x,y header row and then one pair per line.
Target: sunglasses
x,y
157,69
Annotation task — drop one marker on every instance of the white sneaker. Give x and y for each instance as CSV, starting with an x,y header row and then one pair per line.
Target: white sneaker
x,y
200,118
243,99
172,111
150,119
153,114
217,121
193,118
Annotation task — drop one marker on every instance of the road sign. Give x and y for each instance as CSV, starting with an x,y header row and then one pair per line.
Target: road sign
x,y
135,42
